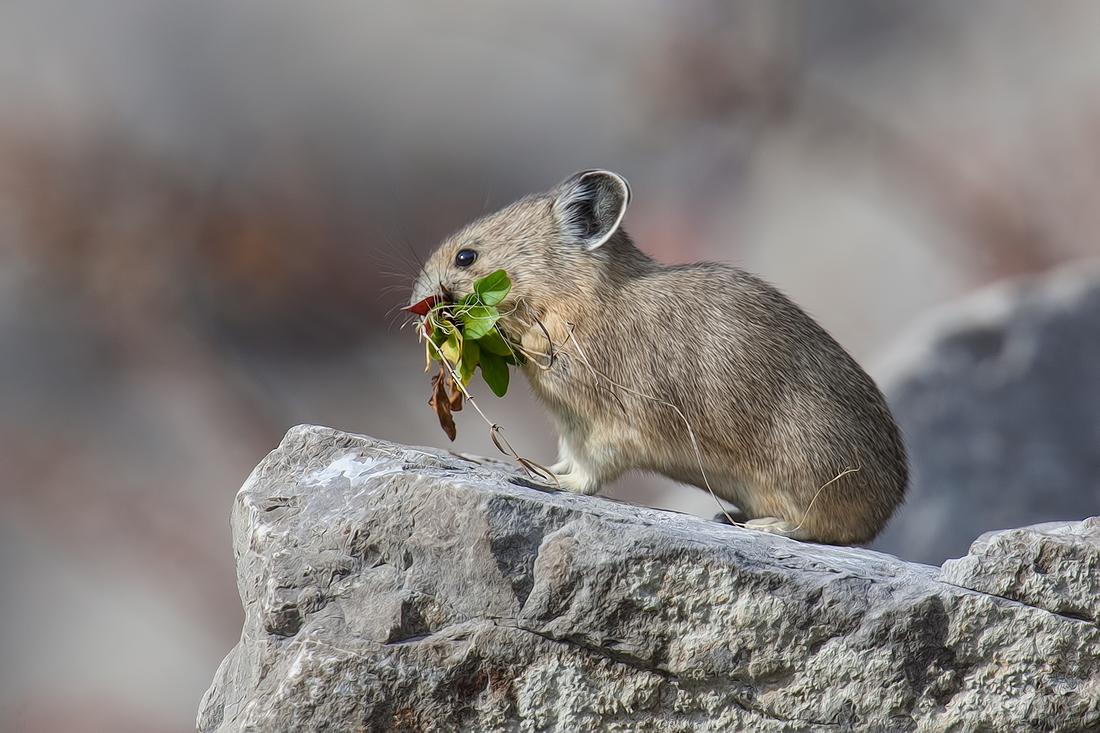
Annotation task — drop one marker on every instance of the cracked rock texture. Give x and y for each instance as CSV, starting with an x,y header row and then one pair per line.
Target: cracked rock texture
x,y
998,397
1055,566
389,588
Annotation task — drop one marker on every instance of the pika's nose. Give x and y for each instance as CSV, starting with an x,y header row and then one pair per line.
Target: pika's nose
x,y
426,292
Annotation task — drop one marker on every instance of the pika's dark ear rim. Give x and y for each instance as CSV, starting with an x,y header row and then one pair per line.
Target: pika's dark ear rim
x,y
590,206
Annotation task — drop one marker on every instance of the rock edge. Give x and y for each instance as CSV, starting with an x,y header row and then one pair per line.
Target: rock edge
x,y
406,589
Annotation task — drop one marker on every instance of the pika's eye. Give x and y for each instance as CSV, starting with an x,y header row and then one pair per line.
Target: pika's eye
x,y
465,258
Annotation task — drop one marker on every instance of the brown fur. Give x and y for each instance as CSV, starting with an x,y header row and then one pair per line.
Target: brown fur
x,y
778,408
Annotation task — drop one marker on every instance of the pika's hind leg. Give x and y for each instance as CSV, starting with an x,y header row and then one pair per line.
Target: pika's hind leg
x,y
778,526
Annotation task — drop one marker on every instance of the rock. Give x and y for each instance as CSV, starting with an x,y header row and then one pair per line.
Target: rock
x,y
389,588
1055,566
998,398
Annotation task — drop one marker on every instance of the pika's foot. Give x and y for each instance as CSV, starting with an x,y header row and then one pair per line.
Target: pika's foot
x,y
561,467
577,481
774,525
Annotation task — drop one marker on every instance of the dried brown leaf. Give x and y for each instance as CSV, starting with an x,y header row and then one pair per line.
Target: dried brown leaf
x,y
442,404
455,399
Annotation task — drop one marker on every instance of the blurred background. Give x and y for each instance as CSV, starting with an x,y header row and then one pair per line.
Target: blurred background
x,y
210,211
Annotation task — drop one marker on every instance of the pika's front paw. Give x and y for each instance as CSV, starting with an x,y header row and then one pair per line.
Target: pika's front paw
x,y
577,481
562,467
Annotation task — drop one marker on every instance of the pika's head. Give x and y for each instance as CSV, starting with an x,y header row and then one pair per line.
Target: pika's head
x,y
549,244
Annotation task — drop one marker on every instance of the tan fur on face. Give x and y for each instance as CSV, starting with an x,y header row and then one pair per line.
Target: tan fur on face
x,y
778,408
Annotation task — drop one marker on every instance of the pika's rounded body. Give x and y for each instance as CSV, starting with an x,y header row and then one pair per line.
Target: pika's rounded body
x,y
702,373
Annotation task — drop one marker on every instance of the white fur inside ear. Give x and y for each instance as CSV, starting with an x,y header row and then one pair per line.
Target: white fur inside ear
x,y
591,206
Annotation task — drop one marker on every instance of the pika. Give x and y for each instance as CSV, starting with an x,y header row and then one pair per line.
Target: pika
x,y
701,372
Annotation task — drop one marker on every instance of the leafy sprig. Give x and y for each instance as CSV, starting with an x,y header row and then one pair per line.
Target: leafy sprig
x,y
465,337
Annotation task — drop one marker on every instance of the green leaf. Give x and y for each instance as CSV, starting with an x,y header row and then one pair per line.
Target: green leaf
x,y
453,347
464,333
494,370
439,335
494,342
469,360
478,320
493,288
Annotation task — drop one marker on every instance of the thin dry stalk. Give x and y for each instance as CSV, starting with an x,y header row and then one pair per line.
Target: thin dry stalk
x,y
695,443
538,471
836,478
530,355
533,468
687,424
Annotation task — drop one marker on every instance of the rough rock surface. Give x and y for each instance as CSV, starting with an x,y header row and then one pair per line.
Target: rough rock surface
x,y
1055,566
389,588
998,397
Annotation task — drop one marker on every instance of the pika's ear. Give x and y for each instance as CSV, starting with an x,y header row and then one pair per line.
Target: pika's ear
x,y
590,206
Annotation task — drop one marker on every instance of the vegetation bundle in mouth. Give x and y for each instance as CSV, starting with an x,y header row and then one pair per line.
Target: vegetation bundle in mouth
x,y
463,336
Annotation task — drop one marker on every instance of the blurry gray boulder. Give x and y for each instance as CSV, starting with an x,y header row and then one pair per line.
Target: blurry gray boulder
x,y
998,399
389,588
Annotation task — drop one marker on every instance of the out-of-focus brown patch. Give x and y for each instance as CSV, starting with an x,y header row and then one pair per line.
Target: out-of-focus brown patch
x,y
47,712
148,239
727,61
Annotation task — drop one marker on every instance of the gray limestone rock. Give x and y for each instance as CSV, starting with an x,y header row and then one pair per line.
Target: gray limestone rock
x,y
998,398
1055,566
389,588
